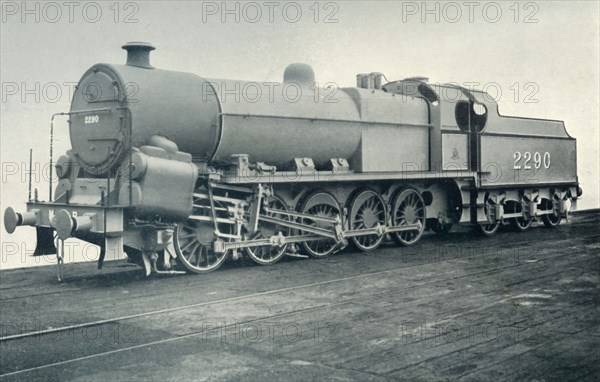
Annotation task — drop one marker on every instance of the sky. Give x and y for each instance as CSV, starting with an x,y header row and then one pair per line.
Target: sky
x,y
540,58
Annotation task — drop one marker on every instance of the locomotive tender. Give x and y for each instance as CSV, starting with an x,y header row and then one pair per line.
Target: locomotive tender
x,y
182,172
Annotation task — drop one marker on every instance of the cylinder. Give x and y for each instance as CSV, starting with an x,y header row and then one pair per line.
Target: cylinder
x,y
139,166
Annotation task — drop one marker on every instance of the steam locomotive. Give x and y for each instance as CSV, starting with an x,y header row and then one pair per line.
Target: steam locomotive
x,y
181,172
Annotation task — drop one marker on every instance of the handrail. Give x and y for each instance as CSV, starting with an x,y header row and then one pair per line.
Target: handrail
x,y
51,151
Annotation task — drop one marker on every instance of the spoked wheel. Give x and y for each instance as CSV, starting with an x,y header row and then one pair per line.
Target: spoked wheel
x,y
408,208
491,227
194,239
519,224
553,219
268,254
367,210
320,204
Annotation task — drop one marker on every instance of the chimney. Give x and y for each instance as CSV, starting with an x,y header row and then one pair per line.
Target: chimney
x,y
138,54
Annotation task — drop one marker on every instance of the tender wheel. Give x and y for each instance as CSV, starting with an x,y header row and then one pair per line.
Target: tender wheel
x,y
322,204
408,208
194,239
367,210
490,228
439,228
519,224
553,219
268,254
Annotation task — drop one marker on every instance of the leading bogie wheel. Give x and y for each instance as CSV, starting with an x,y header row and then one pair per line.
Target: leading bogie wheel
x,y
367,210
269,254
321,204
194,239
408,208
